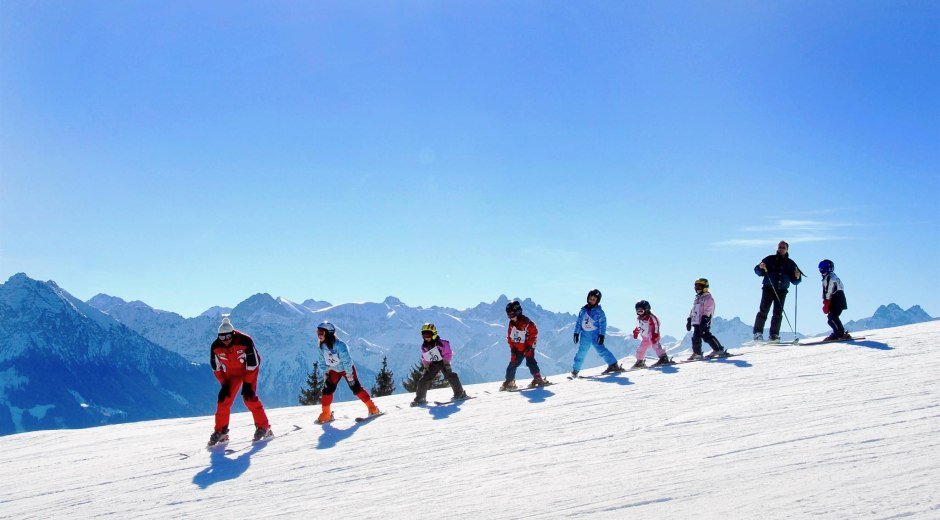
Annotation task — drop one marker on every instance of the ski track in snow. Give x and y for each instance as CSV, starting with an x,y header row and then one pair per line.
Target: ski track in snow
x,y
832,431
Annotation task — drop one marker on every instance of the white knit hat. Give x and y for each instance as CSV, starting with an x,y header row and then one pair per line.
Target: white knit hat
x,y
226,326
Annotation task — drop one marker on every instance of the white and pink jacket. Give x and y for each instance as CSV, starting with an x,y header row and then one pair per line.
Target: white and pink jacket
x,y
703,305
648,328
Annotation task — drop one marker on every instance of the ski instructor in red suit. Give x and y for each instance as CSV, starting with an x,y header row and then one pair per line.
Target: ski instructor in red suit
x,y
235,364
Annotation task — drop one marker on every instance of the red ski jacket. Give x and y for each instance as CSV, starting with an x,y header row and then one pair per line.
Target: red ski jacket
x,y
522,334
238,359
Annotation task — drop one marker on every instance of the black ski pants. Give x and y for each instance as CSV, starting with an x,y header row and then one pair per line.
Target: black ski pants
x,y
700,333
516,359
430,374
769,297
834,322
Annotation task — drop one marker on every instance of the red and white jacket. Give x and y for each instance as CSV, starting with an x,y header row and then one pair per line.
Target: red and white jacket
x,y
647,327
238,359
522,334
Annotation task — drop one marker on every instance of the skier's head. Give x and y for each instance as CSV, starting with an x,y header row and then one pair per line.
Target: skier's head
x,y
701,285
642,307
826,267
596,294
429,332
226,330
326,333
783,248
513,309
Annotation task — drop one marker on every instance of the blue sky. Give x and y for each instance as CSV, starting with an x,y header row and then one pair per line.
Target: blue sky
x,y
191,154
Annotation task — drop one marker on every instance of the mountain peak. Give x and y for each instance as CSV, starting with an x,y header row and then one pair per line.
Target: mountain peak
x,y
392,301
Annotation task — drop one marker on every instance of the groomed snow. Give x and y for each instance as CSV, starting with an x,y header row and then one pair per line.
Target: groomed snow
x,y
828,431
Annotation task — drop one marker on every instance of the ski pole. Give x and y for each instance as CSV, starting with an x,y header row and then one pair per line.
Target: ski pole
x,y
777,296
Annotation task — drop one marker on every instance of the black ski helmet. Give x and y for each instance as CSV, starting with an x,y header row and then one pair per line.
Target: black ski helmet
x,y
826,266
514,308
596,293
643,304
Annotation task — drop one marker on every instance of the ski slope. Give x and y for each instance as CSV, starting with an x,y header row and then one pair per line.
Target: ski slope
x,y
829,431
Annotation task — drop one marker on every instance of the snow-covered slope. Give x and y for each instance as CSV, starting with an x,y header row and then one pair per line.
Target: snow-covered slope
x,y
828,431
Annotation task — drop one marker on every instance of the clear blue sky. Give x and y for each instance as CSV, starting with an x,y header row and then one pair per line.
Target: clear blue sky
x,y
191,154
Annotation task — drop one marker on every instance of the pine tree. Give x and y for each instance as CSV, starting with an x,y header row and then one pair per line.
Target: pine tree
x,y
411,382
384,381
314,391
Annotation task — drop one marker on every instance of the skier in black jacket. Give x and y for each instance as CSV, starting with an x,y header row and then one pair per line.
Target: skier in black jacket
x,y
779,271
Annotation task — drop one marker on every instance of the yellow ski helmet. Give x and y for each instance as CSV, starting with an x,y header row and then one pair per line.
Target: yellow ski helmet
x,y
429,327
701,283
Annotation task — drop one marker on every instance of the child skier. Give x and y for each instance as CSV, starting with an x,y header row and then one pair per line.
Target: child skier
x,y
700,319
833,293
334,355
521,336
648,327
589,331
435,357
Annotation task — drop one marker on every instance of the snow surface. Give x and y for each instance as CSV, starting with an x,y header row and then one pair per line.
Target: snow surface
x,y
827,431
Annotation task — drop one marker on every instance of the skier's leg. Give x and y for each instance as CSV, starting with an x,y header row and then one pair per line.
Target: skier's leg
x,y
224,407
454,379
777,318
531,362
605,354
584,343
660,351
641,350
430,373
252,402
515,359
766,300
697,339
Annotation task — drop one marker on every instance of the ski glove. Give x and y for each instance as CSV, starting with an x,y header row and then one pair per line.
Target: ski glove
x,y
655,338
688,323
223,392
636,333
825,306
600,340
576,337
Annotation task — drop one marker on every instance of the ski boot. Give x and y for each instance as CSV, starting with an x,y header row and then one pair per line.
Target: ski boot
x,y
262,434
218,438
373,410
664,360
537,381
774,339
613,368
461,396
846,336
832,337
508,385
695,357
758,336
640,363
574,374
419,402
716,354
325,417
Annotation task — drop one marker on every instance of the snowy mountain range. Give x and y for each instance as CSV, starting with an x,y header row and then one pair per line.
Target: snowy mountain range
x,y
851,434
65,364
148,344
889,316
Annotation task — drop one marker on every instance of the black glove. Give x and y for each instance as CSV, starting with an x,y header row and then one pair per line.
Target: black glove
x,y
688,323
600,339
706,322
223,392
576,337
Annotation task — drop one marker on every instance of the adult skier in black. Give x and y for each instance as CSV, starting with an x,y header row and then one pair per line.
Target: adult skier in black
x,y
778,271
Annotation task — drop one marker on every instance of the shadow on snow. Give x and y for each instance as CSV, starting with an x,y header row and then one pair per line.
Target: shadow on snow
x,y
222,468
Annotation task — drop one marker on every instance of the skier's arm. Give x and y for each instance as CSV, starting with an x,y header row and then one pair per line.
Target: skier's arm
x,y
252,359
446,351
602,323
577,324
532,334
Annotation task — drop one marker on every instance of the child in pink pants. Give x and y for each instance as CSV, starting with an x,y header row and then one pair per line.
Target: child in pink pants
x,y
648,327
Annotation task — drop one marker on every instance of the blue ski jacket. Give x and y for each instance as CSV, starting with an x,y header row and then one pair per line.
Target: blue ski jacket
x,y
337,358
593,321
